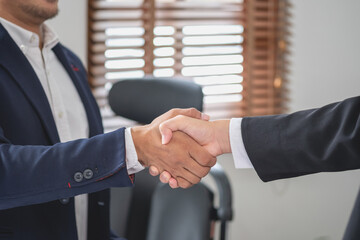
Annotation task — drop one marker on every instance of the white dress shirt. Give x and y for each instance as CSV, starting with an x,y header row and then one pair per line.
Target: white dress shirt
x,y
66,106
241,158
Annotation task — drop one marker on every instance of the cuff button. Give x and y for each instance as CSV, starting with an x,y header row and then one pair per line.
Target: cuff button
x,y
88,174
78,177
64,201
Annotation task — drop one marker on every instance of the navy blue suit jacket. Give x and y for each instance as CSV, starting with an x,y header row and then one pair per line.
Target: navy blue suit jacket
x,y
36,171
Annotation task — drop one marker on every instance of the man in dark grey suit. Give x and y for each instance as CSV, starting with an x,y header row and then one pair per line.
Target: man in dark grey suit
x,y
326,139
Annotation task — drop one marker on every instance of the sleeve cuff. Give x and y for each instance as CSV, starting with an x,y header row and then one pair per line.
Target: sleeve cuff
x,y
241,158
132,163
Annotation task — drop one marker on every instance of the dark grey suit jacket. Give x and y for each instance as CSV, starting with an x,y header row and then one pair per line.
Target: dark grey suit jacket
x,y
326,139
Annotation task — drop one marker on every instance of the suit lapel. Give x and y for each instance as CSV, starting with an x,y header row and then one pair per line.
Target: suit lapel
x,y
82,88
12,59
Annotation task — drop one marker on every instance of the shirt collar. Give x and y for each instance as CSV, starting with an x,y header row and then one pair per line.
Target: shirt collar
x,y
50,37
24,38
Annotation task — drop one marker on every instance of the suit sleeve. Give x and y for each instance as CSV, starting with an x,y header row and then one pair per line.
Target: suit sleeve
x,y
318,140
37,174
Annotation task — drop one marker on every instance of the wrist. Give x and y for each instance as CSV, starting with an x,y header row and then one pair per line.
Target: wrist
x,y
221,131
139,138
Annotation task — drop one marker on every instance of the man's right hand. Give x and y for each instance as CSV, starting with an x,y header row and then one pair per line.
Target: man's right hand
x,y
183,158
213,136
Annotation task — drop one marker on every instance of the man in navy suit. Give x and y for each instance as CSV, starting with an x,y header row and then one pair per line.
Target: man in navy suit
x,y
51,142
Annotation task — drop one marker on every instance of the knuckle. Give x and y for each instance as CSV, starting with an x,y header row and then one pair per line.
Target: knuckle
x,y
197,180
174,172
205,172
205,161
213,161
183,183
172,112
210,161
193,111
176,110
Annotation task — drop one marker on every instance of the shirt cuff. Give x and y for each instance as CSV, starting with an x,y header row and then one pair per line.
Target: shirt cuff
x,y
132,163
241,158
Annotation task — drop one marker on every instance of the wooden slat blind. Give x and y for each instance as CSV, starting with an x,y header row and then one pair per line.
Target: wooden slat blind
x,y
235,49
265,50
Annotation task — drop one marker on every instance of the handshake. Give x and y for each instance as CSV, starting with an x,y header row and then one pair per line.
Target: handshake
x,y
182,145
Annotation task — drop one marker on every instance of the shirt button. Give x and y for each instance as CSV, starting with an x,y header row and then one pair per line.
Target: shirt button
x,y
60,114
23,47
78,177
32,38
88,174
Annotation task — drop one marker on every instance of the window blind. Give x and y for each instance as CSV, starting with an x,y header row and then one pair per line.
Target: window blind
x,y
236,50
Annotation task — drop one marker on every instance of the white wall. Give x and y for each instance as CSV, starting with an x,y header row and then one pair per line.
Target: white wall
x,y
326,52
325,68
71,26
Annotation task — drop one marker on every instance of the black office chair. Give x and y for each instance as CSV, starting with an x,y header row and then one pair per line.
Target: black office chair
x,y
144,99
188,214
150,214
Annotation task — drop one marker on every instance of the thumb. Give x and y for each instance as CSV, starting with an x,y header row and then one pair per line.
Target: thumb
x,y
169,126
166,133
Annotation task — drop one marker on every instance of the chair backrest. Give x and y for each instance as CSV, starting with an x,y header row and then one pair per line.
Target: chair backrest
x,y
143,100
187,213
179,214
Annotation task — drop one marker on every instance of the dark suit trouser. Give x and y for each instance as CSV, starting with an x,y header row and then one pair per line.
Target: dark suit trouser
x,y
352,231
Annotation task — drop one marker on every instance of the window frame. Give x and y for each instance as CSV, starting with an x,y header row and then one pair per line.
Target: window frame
x,y
265,50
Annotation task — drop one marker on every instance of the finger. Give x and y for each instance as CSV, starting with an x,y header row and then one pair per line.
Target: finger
x,y
165,177
184,173
190,176
153,171
183,183
196,169
205,117
201,156
173,183
194,166
189,112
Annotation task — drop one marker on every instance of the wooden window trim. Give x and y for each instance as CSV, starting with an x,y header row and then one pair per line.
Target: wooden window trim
x,y
265,49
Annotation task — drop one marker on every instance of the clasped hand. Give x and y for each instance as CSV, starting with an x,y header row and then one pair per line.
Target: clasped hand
x,y
182,145
182,158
